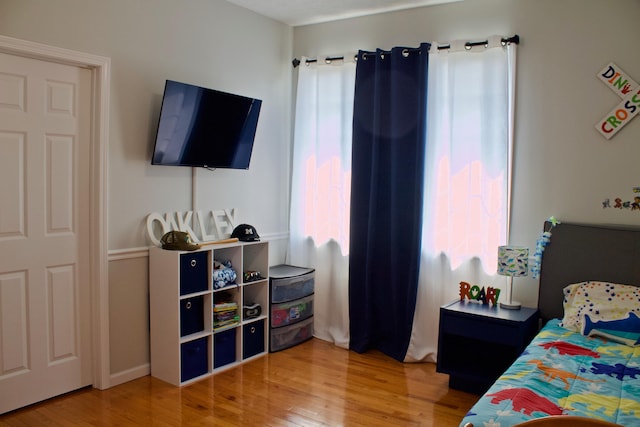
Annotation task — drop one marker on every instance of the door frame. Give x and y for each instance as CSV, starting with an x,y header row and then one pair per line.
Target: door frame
x,y
98,265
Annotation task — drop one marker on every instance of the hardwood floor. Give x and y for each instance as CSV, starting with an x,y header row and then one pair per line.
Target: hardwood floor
x,y
312,384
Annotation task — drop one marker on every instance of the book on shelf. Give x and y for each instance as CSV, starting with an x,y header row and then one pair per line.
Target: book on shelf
x,y
225,306
225,315
226,323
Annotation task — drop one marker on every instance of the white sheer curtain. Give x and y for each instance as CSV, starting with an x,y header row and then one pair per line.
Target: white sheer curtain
x,y
320,189
467,182
467,178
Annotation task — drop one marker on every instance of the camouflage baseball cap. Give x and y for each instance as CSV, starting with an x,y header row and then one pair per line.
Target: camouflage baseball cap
x,y
178,241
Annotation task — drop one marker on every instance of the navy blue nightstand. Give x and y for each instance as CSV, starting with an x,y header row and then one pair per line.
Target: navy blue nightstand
x,y
477,342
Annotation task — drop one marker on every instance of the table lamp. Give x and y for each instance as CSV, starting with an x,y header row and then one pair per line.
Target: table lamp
x,y
513,261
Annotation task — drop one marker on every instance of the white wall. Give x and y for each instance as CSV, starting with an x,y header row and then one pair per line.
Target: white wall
x,y
563,167
205,42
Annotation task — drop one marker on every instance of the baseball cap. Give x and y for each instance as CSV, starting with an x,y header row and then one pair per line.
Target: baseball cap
x,y
246,233
178,241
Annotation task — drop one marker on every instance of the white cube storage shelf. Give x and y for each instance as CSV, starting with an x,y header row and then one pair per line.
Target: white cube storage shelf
x,y
185,347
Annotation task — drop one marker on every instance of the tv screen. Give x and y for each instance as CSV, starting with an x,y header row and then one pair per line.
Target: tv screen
x,y
205,128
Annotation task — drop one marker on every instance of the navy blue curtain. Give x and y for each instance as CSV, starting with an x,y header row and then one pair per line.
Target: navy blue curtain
x,y
389,129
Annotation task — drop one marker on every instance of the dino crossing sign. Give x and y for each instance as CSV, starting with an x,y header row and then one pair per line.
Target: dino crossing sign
x,y
619,82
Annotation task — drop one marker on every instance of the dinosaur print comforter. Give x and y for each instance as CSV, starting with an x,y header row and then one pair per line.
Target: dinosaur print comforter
x,y
564,372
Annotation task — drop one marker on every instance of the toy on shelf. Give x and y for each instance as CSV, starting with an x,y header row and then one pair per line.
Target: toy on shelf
x,y
223,274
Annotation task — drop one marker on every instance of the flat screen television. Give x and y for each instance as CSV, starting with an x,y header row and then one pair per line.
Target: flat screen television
x,y
203,127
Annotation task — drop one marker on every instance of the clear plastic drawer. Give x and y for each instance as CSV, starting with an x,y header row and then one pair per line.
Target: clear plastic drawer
x,y
287,313
291,335
292,288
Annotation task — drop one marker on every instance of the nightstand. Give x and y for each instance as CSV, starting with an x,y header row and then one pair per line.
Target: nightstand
x,y
477,342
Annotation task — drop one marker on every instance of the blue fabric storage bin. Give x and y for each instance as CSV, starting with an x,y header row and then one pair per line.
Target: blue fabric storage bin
x,y
191,315
224,348
194,359
253,339
193,272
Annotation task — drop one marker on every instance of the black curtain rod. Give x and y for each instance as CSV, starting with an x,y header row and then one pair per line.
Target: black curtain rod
x,y
296,61
505,40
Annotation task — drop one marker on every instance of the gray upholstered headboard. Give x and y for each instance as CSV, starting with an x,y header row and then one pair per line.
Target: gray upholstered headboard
x,y
577,253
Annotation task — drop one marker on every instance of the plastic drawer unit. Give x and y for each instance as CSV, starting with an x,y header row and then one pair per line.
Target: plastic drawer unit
x,y
291,305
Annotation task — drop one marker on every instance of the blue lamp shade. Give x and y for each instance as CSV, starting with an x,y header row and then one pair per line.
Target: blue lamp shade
x,y
513,261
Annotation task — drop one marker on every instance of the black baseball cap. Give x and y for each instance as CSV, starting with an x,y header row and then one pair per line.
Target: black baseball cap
x,y
246,233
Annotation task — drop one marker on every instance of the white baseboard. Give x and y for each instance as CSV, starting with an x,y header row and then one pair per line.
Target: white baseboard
x,y
129,375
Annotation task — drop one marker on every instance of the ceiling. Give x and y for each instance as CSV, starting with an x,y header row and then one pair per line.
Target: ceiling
x,y
304,12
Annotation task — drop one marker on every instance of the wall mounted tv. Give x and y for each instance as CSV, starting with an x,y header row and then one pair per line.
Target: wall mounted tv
x,y
203,127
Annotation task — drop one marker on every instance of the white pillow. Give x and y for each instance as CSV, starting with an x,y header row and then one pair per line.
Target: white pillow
x,y
605,309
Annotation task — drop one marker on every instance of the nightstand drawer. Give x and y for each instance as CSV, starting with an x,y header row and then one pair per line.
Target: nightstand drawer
x,y
489,331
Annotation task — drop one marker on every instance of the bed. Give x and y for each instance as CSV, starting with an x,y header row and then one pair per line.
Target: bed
x,y
585,361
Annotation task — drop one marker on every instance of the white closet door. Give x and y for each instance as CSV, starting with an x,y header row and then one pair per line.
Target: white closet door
x,y
45,122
